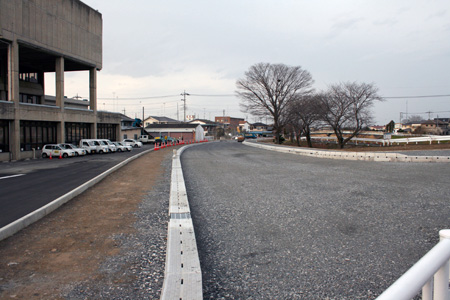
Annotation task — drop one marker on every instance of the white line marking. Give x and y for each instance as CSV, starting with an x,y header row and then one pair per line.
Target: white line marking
x,y
11,176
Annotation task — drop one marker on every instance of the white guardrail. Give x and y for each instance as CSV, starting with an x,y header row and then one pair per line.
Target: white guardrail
x,y
430,273
351,155
182,276
389,142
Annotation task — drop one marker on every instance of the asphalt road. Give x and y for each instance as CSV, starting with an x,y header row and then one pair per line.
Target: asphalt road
x,y
28,185
281,226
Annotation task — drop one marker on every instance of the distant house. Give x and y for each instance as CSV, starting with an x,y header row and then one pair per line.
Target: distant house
x,y
181,131
411,127
127,130
159,120
261,129
245,126
377,127
435,127
260,126
208,126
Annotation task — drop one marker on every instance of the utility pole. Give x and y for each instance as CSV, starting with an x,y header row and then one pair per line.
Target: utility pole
x,y
184,94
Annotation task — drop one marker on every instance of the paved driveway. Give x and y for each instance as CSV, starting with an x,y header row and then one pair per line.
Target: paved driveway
x,y
281,226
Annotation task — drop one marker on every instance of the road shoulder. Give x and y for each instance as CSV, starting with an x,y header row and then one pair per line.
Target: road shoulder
x,y
107,242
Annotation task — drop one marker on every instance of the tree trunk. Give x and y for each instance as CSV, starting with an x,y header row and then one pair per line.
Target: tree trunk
x,y
308,139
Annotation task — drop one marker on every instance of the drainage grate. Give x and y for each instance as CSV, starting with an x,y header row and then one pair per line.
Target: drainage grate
x,y
179,216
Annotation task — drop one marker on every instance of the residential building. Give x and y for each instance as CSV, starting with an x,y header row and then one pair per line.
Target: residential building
x,y
208,126
260,126
180,131
159,120
244,126
39,37
128,129
434,127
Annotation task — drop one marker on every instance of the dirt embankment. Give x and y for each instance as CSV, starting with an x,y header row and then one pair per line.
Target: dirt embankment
x,y
68,247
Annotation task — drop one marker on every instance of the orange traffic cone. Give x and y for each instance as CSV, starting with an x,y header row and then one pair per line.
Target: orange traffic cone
x,y
50,157
156,147
60,155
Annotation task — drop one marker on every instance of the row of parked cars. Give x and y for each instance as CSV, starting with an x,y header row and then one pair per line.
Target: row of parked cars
x,y
88,146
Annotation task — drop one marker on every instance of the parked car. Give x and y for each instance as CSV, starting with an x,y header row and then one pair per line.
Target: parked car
x,y
55,150
146,139
109,144
94,146
78,150
122,147
132,143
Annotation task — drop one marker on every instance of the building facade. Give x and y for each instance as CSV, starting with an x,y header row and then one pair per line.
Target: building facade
x,y
39,37
180,131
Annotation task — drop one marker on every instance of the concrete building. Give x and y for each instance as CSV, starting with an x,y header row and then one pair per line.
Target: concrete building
x,y
39,37
229,123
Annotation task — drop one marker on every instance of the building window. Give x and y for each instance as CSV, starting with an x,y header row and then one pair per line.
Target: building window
x,y
27,98
4,136
29,77
107,131
35,134
77,131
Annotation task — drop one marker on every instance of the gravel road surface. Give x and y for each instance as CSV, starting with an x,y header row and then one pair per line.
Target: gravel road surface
x,y
281,226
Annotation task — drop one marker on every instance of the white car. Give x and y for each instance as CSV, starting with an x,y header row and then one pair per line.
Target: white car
x,y
122,147
78,150
132,143
109,144
93,146
53,150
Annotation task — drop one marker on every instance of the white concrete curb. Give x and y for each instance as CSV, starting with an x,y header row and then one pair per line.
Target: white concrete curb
x,y
347,155
39,213
182,275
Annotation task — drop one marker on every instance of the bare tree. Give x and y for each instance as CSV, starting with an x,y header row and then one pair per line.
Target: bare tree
x,y
304,111
267,89
413,119
348,106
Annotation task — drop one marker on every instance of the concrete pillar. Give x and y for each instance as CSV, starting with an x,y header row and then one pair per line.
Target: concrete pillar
x,y
14,95
93,99
59,84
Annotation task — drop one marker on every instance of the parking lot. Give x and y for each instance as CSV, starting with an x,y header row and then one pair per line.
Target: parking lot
x,y
281,226
47,179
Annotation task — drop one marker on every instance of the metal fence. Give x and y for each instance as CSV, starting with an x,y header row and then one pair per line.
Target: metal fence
x,y
430,274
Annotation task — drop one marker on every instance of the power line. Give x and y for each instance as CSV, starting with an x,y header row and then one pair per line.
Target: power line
x,y
220,95
140,98
415,97
233,95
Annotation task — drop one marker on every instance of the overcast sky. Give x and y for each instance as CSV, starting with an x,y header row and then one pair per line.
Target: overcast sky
x,y
162,48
